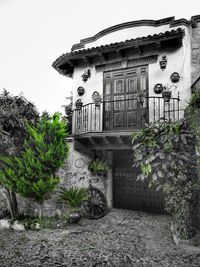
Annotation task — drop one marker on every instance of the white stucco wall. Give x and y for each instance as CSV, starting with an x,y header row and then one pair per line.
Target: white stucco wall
x,y
178,60
94,83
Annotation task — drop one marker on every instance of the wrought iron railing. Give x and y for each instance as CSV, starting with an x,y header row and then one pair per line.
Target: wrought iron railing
x,y
123,115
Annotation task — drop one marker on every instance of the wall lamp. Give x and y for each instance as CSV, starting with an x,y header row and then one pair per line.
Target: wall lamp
x,y
141,99
86,75
163,62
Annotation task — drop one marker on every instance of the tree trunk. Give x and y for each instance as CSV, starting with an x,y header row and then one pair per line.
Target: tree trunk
x,y
12,202
40,210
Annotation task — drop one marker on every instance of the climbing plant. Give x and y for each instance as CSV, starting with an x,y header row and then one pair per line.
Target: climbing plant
x,y
192,114
164,152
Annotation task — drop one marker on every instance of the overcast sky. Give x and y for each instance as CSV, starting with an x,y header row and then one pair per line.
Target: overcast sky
x,y
35,32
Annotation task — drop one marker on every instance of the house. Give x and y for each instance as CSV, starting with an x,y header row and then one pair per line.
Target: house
x,y
123,77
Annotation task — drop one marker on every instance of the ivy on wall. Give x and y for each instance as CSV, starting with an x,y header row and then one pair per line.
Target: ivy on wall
x,y
165,154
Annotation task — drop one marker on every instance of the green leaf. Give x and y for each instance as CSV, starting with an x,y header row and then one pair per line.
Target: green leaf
x,y
154,177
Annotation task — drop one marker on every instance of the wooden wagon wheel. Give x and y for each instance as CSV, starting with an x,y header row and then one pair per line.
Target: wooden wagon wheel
x,y
96,205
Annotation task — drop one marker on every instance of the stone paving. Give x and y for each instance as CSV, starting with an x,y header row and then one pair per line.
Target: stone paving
x,y
121,238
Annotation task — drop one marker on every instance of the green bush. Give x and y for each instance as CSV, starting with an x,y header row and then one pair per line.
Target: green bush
x,y
96,166
32,173
15,112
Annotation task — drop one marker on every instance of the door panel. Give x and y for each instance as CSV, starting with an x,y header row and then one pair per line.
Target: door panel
x,y
128,193
121,88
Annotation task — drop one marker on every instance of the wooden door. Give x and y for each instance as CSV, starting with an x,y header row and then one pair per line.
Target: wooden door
x,y
121,88
129,193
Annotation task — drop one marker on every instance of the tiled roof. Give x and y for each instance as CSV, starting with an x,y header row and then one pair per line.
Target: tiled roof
x,y
140,41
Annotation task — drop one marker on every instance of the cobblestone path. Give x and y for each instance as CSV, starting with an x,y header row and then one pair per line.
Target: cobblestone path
x,y
121,238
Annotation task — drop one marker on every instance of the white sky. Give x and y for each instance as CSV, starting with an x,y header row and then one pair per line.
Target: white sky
x,y
33,33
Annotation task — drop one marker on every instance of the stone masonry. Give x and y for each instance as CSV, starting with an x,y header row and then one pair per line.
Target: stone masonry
x,y
195,49
73,173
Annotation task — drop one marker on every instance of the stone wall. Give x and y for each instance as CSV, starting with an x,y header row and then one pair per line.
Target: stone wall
x,y
3,199
195,50
73,173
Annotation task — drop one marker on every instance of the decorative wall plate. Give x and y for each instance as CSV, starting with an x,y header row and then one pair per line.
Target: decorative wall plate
x,y
67,165
80,163
158,88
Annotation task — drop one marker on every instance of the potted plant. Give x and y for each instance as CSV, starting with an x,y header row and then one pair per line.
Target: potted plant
x,y
74,198
175,77
79,104
85,75
98,166
97,99
166,94
80,91
158,88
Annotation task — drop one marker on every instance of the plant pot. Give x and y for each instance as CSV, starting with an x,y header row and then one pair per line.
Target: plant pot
x,y
175,77
74,217
166,95
158,88
80,91
163,62
86,75
79,104
97,99
97,102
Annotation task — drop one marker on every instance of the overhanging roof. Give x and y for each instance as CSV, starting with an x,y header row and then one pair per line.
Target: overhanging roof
x,y
66,62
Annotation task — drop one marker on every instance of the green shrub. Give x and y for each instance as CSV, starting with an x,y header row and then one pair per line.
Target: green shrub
x,y
96,166
32,173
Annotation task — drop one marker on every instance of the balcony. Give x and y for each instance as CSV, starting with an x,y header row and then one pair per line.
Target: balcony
x,y
123,115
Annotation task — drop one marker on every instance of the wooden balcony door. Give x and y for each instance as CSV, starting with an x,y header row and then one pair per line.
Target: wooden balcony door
x,y
121,88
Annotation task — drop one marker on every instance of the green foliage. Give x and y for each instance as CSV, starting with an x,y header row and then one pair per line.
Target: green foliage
x,y
164,152
31,174
192,114
73,196
195,101
96,166
178,198
36,223
15,112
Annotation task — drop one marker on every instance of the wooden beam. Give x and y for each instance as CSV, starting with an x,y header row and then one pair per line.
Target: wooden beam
x,y
86,60
102,57
120,140
92,141
138,49
71,62
158,44
120,53
106,140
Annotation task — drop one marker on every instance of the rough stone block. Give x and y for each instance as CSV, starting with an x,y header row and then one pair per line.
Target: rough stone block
x,y
18,226
4,224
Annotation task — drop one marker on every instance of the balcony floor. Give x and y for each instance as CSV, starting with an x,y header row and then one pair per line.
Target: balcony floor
x,y
104,140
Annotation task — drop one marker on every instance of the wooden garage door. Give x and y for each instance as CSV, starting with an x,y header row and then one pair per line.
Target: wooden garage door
x,y
129,193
